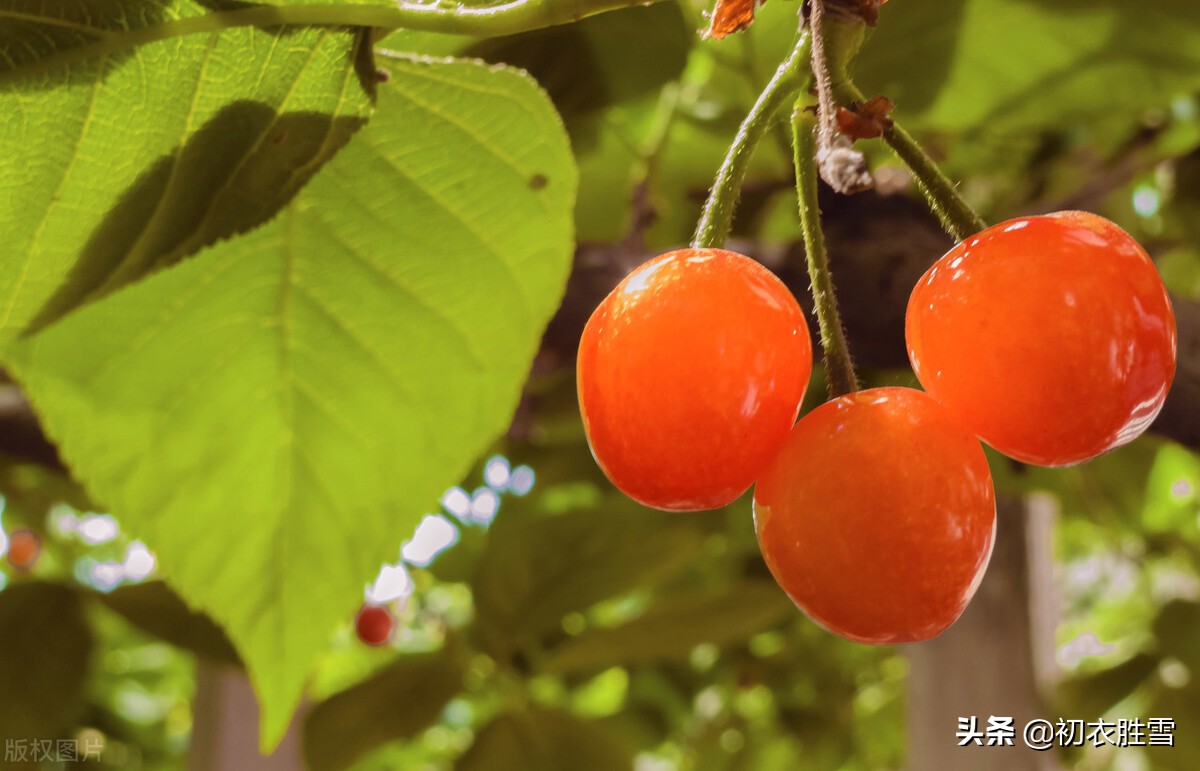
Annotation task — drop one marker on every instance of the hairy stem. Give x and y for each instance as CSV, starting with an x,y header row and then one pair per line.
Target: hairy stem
x,y
717,217
839,367
955,214
825,126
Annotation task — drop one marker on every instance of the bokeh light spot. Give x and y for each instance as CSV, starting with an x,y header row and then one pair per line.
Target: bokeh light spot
x,y
433,535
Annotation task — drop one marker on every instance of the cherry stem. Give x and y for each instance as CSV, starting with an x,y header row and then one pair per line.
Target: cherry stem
x,y
716,219
956,215
839,367
820,70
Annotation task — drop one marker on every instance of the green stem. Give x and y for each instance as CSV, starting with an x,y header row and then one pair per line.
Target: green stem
x,y
503,18
839,367
956,215
717,217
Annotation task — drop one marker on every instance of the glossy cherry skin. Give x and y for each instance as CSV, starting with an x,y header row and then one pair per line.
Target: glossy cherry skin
x,y
374,625
690,375
877,517
1051,337
24,548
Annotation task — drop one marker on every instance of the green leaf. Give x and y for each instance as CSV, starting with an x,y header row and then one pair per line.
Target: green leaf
x,y
396,703
586,67
1177,629
606,96
154,608
1090,696
671,629
127,161
544,740
536,570
274,415
1180,704
1172,491
37,37
957,64
45,643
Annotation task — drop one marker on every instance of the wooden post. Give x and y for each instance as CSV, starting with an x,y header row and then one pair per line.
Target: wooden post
x,y
225,725
996,660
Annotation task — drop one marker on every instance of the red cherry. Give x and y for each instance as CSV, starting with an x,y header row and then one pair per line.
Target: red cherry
x,y
24,547
374,625
1051,337
690,374
878,515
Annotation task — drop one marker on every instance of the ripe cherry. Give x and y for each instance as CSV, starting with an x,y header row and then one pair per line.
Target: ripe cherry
x,y
690,375
374,624
1051,337
24,547
878,515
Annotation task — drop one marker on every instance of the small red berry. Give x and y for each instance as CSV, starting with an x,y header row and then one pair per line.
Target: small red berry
x,y
24,548
374,625
690,375
878,515
1051,337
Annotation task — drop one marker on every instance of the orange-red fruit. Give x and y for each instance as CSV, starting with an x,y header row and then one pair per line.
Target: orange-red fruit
x,y
878,515
374,625
24,547
690,375
1051,337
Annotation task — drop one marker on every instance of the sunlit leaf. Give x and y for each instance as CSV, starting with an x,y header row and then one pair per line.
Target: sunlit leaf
x,y
125,148
274,416
957,64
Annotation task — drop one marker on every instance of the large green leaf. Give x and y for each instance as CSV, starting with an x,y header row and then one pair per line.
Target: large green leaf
x,y
274,415
116,160
395,703
676,626
45,643
544,740
956,64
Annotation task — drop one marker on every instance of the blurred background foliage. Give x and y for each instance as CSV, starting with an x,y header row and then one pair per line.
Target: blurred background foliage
x,y
562,626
